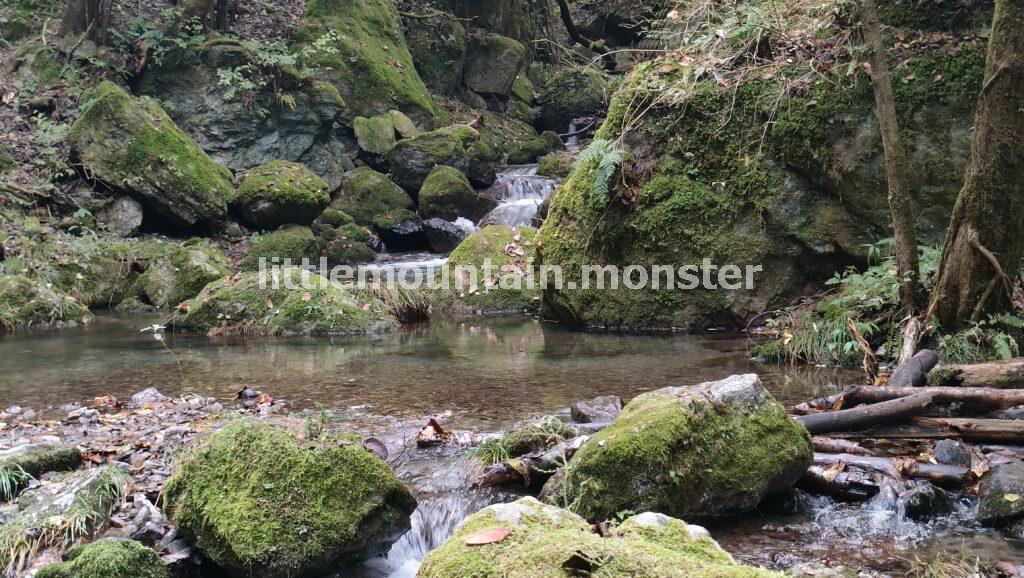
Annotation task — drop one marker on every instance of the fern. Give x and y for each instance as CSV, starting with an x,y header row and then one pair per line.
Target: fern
x,y
609,159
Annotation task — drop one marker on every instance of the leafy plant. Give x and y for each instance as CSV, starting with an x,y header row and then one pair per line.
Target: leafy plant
x,y
609,158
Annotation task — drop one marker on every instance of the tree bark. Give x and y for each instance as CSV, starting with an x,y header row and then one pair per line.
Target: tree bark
x,y
1005,374
978,430
914,372
866,416
986,397
89,19
899,468
901,206
845,486
985,240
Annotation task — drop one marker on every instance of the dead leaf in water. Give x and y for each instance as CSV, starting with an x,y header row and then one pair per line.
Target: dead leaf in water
x,y
488,536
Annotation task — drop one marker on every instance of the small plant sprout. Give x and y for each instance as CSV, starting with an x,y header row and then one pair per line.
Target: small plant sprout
x,y
158,334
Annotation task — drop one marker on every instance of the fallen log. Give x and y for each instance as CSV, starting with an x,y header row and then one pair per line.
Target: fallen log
x,y
914,373
982,396
978,430
532,469
866,416
838,446
850,486
899,468
1004,374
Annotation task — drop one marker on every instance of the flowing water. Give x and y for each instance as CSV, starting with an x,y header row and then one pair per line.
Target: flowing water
x,y
519,191
480,375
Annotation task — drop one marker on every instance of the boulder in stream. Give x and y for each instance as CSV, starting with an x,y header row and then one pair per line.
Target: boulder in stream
x,y
458,146
443,236
281,192
697,452
446,194
602,409
108,558
1001,494
176,272
258,503
528,538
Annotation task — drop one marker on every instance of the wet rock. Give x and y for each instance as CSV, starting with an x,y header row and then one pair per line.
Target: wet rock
x,y
443,236
952,453
84,415
458,146
279,193
402,235
602,409
147,396
700,452
569,94
26,462
526,537
923,502
820,570
132,146
123,216
368,196
446,194
296,509
290,244
25,303
438,46
175,272
492,63
1001,494
1016,412
109,558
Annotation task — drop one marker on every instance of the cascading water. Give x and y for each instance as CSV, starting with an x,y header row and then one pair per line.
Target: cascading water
x,y
519,191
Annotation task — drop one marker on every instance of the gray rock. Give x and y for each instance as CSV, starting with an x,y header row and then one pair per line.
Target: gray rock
x,y
1001,494
1016,412
443,236
602,409
148,395
404,236
952,453
122,217
492,64
924,501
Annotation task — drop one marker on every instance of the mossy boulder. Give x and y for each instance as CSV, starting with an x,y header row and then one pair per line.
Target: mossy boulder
x,y
438,46
557,164
131,145
281,192
370,65
257,502
346,244
21,464
492,64
108,558
291,243
572,93
500,289
36,64
446,194
697,452
179,272
517,19
369,197
542,540
375,135
512,141
248,128
458,146
286,301
999,494
25,303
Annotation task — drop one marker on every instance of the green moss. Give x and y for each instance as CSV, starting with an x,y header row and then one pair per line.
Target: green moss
x,y
492,64
283,302
572,93
367,195
546,541
512,141
108,558
522,88
281,192
38,63
446,194
255,501
438,46
21,464
557,164
181,272
25,303
375,135
459,146
7,161
293,243
345,244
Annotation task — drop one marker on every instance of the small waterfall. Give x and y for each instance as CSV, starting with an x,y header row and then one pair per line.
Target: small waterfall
x,y
520,192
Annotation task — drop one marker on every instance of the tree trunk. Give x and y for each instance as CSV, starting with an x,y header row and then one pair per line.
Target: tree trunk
x,y
866,416
900,204
1005,374
978,430
914,372
899,468
89,19
985,240
986,397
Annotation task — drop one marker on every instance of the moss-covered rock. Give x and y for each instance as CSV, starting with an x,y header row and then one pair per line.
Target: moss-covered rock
x,y
697,452
447,194
404,126
21,464
375,135
175,272
999,494
281,192
438,46
131,145
346,244
286,301
370,65
557,164
257,502
546,541
7,161
572,93
108,558
293,243
512,141
37,64
458,146
25,303
492,64
516,19
502,288
368,196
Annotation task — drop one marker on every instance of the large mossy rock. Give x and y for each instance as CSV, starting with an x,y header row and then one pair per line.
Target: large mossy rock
x,y
281,192
176,272
1000,494
512,141
21,464
438,46
572,93
25,303
369,63
542,540
446,194
697,452
369,197
693,189
258,503
518,19
492,64
287,301
131,145
459,146
247,132
108,558
375,135
290,244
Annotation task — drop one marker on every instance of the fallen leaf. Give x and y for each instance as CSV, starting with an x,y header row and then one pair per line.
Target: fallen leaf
x,y
488,536
1011,497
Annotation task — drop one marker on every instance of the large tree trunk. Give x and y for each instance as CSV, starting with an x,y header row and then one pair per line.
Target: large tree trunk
x,y
900,204
985,240
87,18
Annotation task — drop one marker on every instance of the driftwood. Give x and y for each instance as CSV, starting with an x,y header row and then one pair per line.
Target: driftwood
x,y
839,446
866,416
841,485
899,468
978,430
532,469
979,396
1005,374
914,373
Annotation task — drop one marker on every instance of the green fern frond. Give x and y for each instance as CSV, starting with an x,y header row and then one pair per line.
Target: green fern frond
x,y
609,159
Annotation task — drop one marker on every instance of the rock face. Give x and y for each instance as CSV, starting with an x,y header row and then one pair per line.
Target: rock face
x,y
243,134
289,302
541,540
281,192
572,93
492,64
438,46
179,272
109,558
256,502
458,146
25,303
1000,494
131,145
446,194
123,216
697,452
